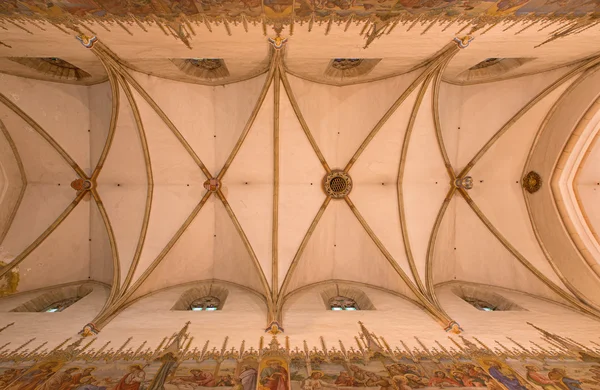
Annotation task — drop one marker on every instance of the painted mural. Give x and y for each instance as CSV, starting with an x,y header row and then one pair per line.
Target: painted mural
x,y
370,365
277,9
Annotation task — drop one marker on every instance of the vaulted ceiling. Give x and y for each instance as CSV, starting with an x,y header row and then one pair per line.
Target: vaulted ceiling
x,y
150,136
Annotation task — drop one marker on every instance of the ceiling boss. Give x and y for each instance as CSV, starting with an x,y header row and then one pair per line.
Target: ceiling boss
x,y
337,184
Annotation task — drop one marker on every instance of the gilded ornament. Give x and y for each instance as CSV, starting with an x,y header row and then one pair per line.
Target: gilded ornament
x,y
278,42
9,281
86,40
464,182
274,328
212,185
454,327
89,329
532,182
463,42
82,185
337,184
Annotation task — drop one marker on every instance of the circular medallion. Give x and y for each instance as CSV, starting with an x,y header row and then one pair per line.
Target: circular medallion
x,y
337,184
81,185
532,182
212,185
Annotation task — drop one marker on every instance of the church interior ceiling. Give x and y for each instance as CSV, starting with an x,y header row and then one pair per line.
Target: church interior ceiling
x,y
286,145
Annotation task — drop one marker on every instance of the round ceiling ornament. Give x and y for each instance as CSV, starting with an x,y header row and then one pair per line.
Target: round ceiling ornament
x,y
532,182
212,185
337,184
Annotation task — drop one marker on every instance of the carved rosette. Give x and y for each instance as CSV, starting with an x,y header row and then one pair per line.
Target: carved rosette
x,y
212,185
532,182
337,184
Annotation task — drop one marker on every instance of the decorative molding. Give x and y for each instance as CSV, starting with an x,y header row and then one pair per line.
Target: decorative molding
x,y
249,248
23,176
114,117
253,115
434,311
104,53
300,250
400,182
300,117
587,255
150,184
116,282
573,72
8,103
448,51
583,308
42,237
561,100
276,151
123,300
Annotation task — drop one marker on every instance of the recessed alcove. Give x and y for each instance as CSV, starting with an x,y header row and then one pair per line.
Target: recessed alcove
x,y
55,300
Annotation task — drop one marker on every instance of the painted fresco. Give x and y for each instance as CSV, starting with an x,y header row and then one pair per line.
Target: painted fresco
x,y
274,374
35,376
229,374
559,374
278,9
373,365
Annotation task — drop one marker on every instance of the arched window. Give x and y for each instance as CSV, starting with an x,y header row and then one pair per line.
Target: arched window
x,y
61,305
485,63
207,303
342,303
479,304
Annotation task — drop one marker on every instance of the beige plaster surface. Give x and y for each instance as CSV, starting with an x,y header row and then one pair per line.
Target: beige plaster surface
x,y
545,216
10,183
211,119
